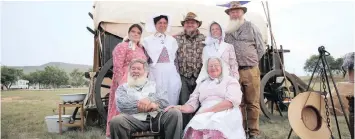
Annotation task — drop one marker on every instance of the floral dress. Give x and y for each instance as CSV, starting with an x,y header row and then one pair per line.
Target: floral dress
x,y
122,55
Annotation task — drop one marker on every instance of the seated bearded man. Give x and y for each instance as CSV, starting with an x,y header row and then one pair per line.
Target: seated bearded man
x,y
140,105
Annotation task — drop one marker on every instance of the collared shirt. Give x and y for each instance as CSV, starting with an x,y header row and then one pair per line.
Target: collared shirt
x,y
248,44
189,53
155,45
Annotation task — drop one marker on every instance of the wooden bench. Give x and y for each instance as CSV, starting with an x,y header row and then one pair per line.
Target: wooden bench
x,y
145,134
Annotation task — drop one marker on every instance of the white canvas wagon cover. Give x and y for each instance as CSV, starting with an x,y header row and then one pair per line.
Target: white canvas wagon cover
x,y
116,16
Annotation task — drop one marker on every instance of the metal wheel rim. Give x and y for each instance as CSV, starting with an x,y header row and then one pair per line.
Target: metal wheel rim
x,y
263,83
99,79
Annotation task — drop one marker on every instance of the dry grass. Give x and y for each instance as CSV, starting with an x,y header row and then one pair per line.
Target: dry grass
x,y
23,117
280,129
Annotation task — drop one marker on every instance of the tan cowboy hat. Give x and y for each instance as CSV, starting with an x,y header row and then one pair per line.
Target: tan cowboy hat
x,y
307,117
191,16
235,5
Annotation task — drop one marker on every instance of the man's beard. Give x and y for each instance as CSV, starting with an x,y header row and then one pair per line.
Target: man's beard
x,y
234,25
132,82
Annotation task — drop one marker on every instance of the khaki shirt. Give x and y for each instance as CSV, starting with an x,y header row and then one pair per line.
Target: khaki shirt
x,y
248,44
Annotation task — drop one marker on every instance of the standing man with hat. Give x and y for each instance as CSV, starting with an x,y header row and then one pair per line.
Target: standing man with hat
x,y
189,58
249,48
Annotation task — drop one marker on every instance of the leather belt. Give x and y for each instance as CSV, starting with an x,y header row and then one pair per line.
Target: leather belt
x,y
245,67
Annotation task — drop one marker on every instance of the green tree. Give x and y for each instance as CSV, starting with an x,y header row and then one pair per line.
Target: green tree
x,y
38,77
10,75
29,78
337,65
35,77
311,62
54,76
77,78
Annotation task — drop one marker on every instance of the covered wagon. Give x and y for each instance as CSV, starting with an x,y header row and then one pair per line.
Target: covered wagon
x,y
112,20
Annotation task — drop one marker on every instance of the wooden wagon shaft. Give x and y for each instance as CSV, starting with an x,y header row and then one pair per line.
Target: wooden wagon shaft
x,y
89,100
90,30
301,84
96,60
91,16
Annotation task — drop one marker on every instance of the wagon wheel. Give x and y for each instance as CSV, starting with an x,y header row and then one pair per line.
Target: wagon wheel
x,y
274,95
102,88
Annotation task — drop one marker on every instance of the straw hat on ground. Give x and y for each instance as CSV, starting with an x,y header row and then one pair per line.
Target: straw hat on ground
x,y
307,117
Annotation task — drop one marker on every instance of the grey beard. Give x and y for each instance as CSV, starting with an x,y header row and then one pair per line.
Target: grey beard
x,y
132,82
234,25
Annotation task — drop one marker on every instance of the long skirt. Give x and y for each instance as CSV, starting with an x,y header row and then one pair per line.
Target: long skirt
x,y
167,79
112,109
224,124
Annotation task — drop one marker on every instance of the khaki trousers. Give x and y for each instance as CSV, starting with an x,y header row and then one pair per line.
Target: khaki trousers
x,y
250,83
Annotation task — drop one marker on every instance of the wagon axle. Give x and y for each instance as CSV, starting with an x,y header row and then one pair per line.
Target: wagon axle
x,y
278,97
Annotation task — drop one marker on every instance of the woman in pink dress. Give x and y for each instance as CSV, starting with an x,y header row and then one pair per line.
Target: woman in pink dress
x,y
122,55
219,96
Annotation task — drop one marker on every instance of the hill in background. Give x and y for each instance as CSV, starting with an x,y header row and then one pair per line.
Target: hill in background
x,y
67,67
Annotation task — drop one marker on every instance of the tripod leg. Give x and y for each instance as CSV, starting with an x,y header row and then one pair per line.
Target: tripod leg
x,y
315,68
330,94
289,134
337,92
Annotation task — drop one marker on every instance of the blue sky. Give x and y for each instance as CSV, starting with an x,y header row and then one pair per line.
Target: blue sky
x,y
34,33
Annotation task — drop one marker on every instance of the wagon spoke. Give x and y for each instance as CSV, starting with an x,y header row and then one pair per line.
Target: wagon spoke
x,y
274,90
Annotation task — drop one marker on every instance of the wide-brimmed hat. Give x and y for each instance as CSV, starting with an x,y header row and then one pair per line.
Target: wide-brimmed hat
x,y
235,5
307,116
191,16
